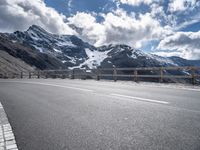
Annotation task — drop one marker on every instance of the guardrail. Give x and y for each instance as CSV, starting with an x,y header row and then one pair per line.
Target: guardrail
x,y
162,74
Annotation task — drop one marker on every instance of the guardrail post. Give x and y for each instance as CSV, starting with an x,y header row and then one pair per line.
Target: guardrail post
x,y
115,74
46,75
12,75
193,76
5,75
29,75
38,74
98,74
161,74
135,75
21,75
72,75
63,75
84,74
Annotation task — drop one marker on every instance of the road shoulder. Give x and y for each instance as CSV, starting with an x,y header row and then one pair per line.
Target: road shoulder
x,y
7,138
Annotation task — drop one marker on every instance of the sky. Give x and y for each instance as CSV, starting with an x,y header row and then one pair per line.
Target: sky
x,y
162,27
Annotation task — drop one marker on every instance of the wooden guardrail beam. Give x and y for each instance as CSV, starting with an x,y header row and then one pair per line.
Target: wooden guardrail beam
x,y
114,73
154,68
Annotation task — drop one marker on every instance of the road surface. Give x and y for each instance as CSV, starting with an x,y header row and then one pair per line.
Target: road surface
x,y
53,114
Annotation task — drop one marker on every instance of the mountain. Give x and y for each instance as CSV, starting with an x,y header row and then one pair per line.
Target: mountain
x,y
43,50
28,55
125,56
184,62
69,49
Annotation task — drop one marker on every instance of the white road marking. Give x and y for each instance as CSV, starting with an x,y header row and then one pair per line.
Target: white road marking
x,y
55,85
139,98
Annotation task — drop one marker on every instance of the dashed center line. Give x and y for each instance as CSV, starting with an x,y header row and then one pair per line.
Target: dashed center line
x,y
139,98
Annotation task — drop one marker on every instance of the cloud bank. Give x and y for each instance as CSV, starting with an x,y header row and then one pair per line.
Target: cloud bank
x,y
160,23
136,2
20,14
184,44
181,5
118,27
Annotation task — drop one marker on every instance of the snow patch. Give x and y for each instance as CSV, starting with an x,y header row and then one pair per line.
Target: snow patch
x,y
56,50
72,59
38,48
94,58
65,43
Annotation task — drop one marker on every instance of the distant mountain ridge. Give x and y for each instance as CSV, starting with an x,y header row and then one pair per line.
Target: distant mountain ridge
x,y
43,50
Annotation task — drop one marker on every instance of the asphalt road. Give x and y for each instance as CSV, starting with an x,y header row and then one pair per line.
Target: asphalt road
x,y
87,115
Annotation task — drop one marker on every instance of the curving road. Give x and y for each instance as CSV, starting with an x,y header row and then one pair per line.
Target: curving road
x,y
53,114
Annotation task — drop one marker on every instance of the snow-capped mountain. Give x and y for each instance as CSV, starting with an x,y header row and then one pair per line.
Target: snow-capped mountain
x,y
72,52
69,49
125,56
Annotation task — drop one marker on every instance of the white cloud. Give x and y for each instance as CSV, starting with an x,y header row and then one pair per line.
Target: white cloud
x,y
92,31
69,4
157,12
184,44
181,5
20,14
118,28
137,2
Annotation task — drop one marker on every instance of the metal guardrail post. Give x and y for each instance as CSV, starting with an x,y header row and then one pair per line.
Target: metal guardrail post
x,y
135,75
161,74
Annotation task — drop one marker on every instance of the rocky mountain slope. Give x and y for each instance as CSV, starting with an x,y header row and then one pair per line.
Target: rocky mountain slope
x,y
10,64
69,49
29,55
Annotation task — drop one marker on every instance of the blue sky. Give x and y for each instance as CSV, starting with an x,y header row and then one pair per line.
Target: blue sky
x,y
184,19
163,27
71,7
